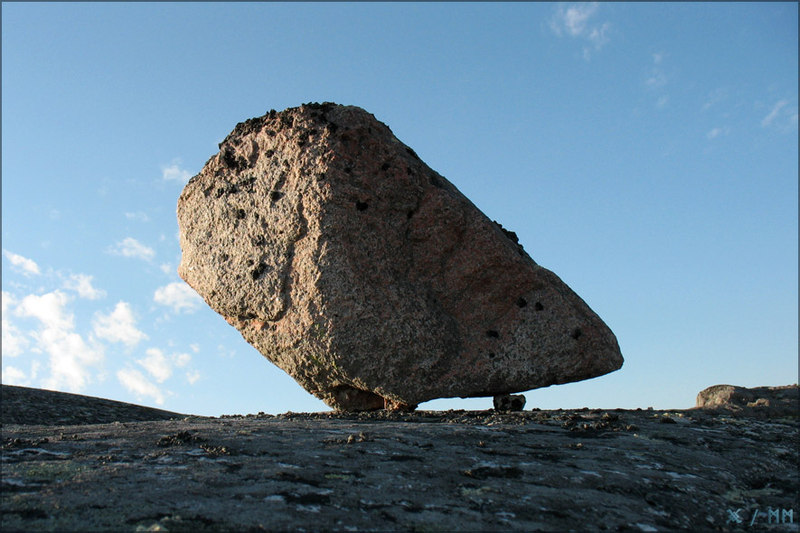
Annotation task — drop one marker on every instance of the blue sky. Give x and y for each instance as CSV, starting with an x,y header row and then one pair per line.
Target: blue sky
x,y
646,153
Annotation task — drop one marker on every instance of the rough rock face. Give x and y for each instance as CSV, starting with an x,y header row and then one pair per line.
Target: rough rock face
x,y
765,401
367,276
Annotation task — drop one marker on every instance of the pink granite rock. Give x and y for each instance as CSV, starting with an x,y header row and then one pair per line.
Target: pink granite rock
x,y
367,276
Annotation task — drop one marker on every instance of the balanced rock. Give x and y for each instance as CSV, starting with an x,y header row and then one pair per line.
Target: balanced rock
x,y
368,277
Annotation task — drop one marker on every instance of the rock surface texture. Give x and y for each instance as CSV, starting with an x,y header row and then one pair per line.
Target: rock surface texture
x,y
367,276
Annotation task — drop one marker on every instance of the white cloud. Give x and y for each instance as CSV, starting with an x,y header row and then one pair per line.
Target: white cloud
x,y
195,347
181,359
166,268
192,377
773,114
15,376
179,296
156,364
48,308
82,284
14,342
130,247
572,19
138,216
27,266
174,172
118,326
575,21
70,355
599,36
135,382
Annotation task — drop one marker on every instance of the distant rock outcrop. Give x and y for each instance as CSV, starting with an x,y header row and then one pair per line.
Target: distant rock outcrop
x,y
367,276
766,401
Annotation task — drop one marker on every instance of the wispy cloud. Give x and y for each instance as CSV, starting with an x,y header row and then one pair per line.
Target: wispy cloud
x,y
138,216
174,172
656,80
656,77
130,247
135,382
82,284
179,296
716,132
23,264
714,98
575,20
118,326
773,114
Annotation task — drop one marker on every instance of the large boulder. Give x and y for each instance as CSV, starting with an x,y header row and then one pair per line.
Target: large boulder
x,y
781,401
367,276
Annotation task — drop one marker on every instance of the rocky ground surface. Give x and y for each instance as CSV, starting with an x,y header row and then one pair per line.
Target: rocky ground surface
x,y
639,470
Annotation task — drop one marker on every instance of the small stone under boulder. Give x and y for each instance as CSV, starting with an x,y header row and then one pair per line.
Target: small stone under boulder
x,y
509,402
367,276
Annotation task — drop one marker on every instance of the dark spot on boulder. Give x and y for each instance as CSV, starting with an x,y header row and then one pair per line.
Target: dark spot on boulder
x,y
258,241
436,181
240,214
521,302
247,184
492,355
331,127
258,271
348,170
385,166
271,133
412,152
269,153
576,333
362,206
493,334
229,159
538,306
275,195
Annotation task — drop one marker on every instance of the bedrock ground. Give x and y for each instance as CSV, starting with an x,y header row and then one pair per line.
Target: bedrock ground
x,y
639,470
